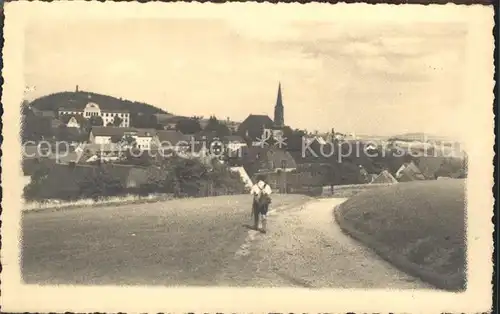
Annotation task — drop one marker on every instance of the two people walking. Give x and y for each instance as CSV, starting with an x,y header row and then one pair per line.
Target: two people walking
x,y
261,192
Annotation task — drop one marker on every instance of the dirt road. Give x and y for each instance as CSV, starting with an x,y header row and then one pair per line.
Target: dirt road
x,y
194,242
304,247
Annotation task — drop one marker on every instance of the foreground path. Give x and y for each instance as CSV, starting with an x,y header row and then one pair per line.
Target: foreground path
x,y
201,242
178,242
304,247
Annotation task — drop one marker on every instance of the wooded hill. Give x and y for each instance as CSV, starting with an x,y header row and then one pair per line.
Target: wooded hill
x,y
79,99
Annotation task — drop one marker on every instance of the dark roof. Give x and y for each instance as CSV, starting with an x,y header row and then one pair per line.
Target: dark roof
x,y
172,137
278,156
265,156
255,123
206,135
145,132
384,177
259,119
233,139
118,131
109,130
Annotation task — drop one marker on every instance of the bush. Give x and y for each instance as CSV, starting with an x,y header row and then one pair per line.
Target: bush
x,y
190,177
35,189
178,176
100,183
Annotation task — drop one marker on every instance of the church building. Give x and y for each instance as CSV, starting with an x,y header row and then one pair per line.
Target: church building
x,y
279,114
255,125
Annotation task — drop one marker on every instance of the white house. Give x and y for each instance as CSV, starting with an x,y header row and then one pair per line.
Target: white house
x,y
93,109
144,138
106,135
73,123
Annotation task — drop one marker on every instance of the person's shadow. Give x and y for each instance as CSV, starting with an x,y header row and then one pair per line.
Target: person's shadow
x,y
249,226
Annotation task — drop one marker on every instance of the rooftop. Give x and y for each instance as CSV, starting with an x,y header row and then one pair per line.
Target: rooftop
x,y
173,137
118,131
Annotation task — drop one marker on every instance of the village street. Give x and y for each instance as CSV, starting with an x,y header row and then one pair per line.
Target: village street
x,y
163,244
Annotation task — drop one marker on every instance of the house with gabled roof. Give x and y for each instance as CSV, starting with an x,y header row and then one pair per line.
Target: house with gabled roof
x,y
72,121
409,172
267,160
172,141
384,177
109,134
233,142
253,126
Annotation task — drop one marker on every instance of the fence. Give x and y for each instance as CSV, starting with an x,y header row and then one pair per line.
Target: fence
x,y
351,189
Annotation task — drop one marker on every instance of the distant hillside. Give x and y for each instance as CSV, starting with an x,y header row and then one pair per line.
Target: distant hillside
x,y
421,137
79,99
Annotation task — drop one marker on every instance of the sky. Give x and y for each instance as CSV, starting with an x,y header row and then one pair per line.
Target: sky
x,y
369,78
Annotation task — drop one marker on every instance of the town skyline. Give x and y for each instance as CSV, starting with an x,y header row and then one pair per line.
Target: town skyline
x,y
239,72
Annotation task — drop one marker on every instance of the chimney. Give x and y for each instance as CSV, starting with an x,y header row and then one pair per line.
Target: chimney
x,y
77,88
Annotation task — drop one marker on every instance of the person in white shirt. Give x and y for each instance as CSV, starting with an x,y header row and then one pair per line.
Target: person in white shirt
x,y
261,192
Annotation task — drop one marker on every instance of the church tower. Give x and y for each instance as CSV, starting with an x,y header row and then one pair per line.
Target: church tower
x,y
279,119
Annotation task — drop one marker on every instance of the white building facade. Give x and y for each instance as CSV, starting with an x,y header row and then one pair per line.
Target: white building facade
x,y
93,109
104,135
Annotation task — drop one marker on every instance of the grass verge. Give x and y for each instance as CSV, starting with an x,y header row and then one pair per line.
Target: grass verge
x,y
282,199
419,227
118,200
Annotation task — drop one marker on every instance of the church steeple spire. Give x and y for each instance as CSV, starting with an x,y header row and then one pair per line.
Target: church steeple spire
x,y
279,119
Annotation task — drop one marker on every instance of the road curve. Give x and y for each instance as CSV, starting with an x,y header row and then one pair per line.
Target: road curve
x,y
193,242
305,248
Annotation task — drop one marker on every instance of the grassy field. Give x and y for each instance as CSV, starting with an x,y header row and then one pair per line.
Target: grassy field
x,y
176,242
418,226
109,201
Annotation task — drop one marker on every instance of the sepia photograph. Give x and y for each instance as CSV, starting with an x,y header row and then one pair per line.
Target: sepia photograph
x,y
285,154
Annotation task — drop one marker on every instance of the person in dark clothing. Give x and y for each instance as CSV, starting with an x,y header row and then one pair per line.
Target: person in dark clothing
x,y
261,192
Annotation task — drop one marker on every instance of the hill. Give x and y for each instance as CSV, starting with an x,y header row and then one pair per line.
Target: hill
x,y
79,99
417,226
421,137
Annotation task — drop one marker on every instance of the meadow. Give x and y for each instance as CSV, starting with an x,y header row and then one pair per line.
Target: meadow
x,y
418,226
